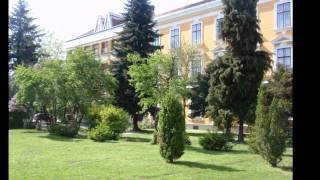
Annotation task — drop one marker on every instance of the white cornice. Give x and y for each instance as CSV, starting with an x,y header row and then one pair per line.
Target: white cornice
x,y
191,10
200,8
108,34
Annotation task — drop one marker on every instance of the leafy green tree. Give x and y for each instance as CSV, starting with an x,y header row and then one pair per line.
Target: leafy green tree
x,y
136,37
270,131
184,56
65,87
154,78
234,86
52,47
24,38
12,86
81,69
171,128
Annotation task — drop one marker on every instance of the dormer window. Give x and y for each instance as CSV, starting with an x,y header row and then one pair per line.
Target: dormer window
x,y
100,24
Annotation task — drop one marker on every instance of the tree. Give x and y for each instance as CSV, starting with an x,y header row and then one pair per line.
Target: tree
x,y
234,87
184,56
52,47
270,131
24,38
154,78
171,128
12,86
65,87
199,92
281,86
136,37
222,92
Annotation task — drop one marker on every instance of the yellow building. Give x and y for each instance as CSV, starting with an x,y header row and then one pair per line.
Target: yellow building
x,y
199,23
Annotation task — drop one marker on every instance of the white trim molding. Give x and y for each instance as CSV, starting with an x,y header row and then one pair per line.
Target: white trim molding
x,y
275,6
218,51
166,25
102,35
282,39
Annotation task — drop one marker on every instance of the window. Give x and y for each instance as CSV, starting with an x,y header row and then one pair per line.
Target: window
x,y
175,38
104,49
196,66
96,51
283,15
219,28
284,57
196,33
156,41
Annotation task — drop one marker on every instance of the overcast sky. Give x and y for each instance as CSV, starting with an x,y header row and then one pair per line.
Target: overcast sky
x,y
71,18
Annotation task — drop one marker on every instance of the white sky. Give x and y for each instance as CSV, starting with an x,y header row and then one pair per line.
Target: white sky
x,y
71,18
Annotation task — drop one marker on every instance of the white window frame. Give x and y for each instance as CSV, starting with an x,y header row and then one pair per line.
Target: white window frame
x,y
201,55
215,36
197,21
276,15
275,55
158,32
97,56
172,28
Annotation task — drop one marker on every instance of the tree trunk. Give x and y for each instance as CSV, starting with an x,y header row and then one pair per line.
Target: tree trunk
x,y
135,123
184,108
228,129
240,133
155,133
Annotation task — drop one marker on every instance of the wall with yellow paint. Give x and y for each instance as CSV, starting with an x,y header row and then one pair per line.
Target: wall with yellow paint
x,y
266,14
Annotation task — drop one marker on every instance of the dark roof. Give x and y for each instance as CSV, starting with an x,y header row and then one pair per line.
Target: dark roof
x,y
85,34
185,7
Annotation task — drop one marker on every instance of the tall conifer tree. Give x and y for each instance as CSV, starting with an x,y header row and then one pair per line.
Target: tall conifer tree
x,y
137,36
240,72
24,37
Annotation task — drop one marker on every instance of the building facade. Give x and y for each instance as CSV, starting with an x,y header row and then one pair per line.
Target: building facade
x,y
199,24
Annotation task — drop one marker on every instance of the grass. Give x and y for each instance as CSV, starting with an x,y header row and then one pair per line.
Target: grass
x,y
38,155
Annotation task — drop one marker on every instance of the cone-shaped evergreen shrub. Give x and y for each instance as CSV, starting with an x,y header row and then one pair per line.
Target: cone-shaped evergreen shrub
x,y
270,131
171,128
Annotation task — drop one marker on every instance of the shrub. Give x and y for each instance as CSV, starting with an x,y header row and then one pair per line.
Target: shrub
x,y
101,133
93,115
154,139
187,139
16,119
68,130
146,123
273,143
28,124
16,114
215,141
270,132
116,119
171,129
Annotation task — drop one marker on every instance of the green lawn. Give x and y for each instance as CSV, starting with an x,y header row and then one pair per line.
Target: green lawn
x,y
38,155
